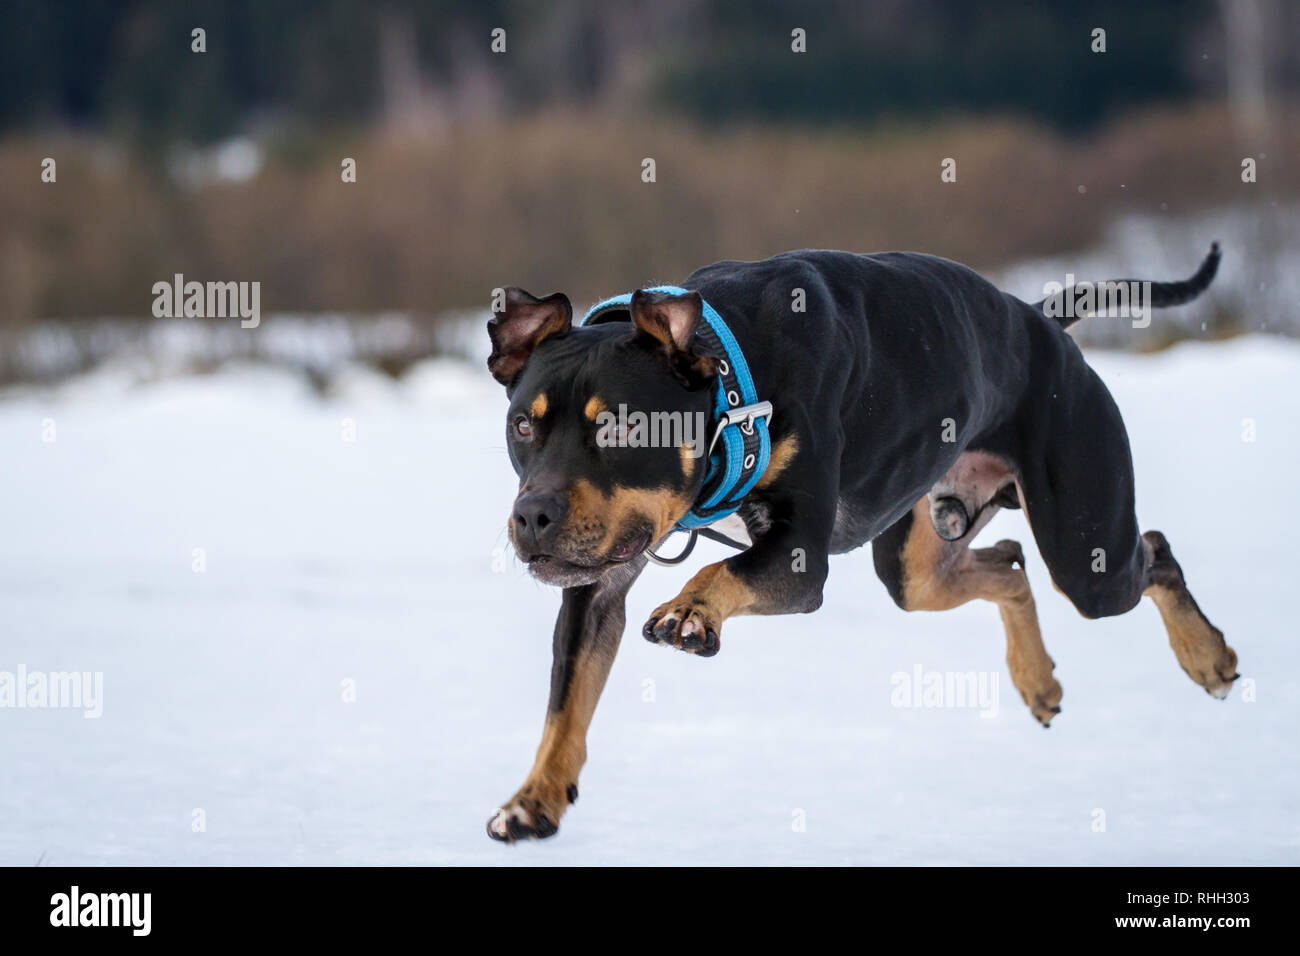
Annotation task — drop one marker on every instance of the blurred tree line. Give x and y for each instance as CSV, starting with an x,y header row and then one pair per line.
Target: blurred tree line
x,y
479,169
126,65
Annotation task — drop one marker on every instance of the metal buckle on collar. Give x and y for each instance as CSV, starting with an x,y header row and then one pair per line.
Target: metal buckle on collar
x,y
744,416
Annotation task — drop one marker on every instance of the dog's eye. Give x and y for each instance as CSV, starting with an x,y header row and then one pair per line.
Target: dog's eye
x,y
611,435
524,428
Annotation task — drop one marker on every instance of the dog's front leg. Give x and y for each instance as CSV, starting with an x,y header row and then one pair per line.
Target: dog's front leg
x,y
587,635
782,573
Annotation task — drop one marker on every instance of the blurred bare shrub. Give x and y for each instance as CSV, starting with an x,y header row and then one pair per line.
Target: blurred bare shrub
x,y
556,201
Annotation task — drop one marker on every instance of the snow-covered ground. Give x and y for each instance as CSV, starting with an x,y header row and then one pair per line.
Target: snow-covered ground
x,y
378,564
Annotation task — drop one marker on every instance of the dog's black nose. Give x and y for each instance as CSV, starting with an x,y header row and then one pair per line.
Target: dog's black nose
x,y
537,518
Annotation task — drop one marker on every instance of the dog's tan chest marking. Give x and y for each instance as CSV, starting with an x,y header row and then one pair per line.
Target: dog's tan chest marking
x,y
783,453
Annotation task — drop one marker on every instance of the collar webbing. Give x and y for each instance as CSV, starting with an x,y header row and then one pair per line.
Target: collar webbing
x,y
741,446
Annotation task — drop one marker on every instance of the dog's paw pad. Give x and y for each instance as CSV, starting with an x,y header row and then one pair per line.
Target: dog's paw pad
x,y
515,822
684,628
949,517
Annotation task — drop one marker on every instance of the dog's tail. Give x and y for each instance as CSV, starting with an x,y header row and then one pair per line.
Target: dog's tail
x,y
1059,305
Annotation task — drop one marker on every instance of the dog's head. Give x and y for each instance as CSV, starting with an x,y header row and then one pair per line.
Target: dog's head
x,y
607,428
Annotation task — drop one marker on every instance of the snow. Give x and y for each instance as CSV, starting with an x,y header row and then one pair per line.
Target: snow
x,y
381,561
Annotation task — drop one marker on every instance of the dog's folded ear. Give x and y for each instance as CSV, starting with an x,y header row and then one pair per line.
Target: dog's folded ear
x,y
672,321
520,324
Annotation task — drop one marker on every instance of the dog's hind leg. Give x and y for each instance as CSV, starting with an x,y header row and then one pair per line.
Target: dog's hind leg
x,y
927,572
1078,490
1199,646
587,634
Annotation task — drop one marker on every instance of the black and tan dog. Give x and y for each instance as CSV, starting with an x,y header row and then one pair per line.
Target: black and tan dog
x,y
912,400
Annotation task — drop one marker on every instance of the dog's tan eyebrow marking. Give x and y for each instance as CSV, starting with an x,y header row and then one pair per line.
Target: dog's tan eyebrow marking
x,y
595,405
539,405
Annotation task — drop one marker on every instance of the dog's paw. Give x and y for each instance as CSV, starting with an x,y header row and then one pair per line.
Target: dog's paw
x,y
1031,674
685,626
1199,646
1046,704
516,822
531,814
1214,669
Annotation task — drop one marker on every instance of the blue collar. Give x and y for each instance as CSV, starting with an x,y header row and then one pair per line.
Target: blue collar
x,y
741,446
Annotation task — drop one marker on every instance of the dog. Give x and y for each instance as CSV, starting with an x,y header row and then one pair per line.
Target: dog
x,y
896,398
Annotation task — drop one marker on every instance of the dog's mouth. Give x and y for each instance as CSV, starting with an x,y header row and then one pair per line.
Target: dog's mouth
x,y
553,569
631,545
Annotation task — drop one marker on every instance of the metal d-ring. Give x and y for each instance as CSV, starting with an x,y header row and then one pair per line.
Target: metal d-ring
x,y
686,552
